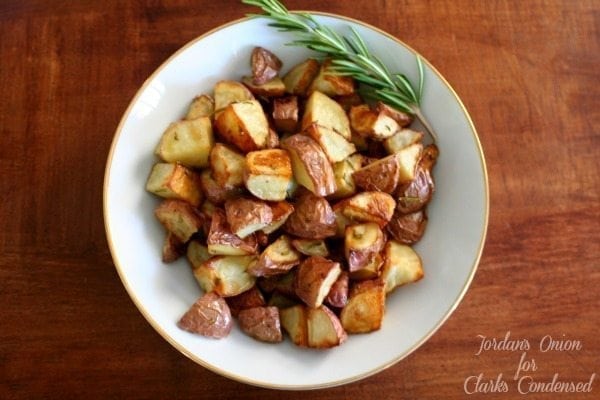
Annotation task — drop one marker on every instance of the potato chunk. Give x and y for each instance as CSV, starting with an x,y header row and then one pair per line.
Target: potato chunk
x,y
202,106
334,145
311,247
324,328
187,142
172,248
382,175
278,258
375,207
415,194
338,294
247,215
372,124
179,217
323,110
312,218
265,65
314,279
221,239
249,299
174,181
403,119
310,165
343,172
245,125
362,244
268,174
261,323
225,275
402,265
214,192
227,92
208,316
365,308
227,166
273,88
294,320
285,114
330,83
281,211
402,139
299,78
408,158
407,228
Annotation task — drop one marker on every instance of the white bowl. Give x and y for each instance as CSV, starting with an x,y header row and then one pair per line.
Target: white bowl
x,y
450,249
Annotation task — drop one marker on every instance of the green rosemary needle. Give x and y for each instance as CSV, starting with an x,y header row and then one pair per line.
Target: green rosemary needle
x,y
350,56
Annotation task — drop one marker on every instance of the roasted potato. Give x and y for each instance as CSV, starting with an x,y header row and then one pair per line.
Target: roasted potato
x,y
187,142
341,221
414,195
285,114
407,228
401,265
403,119
246,215
221,240
330,83
179,217
281,301
382,175
278,258
338,294
174,181
273,88
401,139
294,321
310,165
348,101
311,247
265,65
268,174
375,207
172,248
227,166
408,158
314,279
365,308
244,124
324,111
343,172
371,270
372,124
197,253
202,106
283,284
312,218
227,92
362,244
249,299
214,192
299,78
225,275
261,323
334,145
208,316
281,210
324,328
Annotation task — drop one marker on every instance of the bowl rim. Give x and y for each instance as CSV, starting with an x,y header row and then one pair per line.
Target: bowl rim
x,y
147,315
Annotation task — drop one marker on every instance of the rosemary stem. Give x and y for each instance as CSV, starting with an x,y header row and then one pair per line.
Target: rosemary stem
x,y
423,120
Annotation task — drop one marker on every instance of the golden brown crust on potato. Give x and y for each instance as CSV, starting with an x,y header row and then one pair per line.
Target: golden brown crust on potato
x,y
208,316
278,258
244,124
310,165
174,181
261,323
179,217
299,78
382,175
312,218
222,240
281,210
365,308
403,119
414,195
268,174
225,275
324,328
323,110
227,166
375,207
402,265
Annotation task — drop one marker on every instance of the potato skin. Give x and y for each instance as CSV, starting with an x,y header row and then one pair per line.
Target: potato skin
x,y
314,164
408,228
179,217
213,191
382,175
248,299
414,195
265,65
208,316
310,277
261,323
338,294
312,218
245,212
359,253
285,113
221,234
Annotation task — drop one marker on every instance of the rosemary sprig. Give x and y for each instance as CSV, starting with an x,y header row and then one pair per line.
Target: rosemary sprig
x,y
350,56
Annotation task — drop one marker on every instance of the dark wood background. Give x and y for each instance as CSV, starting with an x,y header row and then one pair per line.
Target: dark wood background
x,y
527,71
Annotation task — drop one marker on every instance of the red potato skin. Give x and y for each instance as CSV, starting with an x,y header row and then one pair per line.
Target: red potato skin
x,y
417,193
248,299
209,316
313,218
309,277
220,233
265,65
261,323
244,210
407,228
338,295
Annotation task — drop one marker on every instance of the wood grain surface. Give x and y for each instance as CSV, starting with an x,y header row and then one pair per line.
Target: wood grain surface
x,y
527,71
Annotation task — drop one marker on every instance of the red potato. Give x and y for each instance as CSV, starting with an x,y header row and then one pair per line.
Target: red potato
x,y
375,207
407,228
265,65
278,258
414,195
324,328
172,248
209,316
221,239
246,215
362,244
225,275
314,279
294,321
180,218
338,294
261,323
365,308
313,218
249,299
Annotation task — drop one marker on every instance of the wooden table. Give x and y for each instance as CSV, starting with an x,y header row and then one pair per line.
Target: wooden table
x,y
529,74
